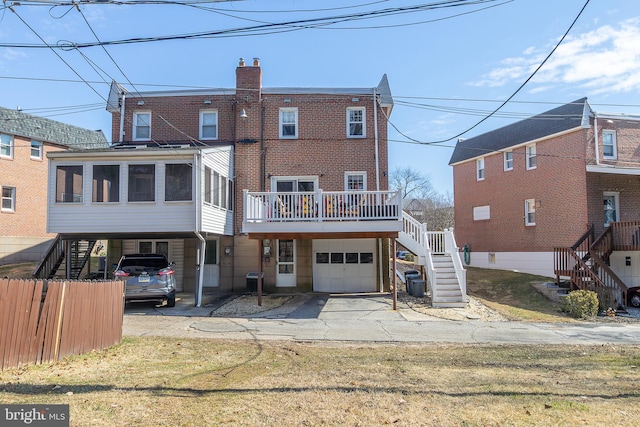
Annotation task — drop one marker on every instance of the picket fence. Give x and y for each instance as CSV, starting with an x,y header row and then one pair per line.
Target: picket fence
x,y
44,321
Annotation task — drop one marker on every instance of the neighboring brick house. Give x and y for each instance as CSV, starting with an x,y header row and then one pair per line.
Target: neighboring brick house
x,y
526,189
25,140
291,182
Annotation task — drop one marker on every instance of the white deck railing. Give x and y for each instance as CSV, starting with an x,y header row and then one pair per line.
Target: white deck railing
x,y
321,206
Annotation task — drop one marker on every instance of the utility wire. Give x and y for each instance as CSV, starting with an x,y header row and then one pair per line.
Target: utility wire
x,y
271,27
56,53
105,50
512,95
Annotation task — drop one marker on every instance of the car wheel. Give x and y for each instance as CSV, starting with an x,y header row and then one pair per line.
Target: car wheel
x,y
635,300
171,302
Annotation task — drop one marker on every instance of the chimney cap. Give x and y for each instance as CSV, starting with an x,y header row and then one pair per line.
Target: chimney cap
x,y
256,62
241,63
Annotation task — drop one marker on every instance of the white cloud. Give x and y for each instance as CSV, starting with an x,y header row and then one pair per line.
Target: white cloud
x,y
11,54
606,59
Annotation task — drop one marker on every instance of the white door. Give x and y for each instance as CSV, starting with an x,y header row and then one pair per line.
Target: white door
x,y
211,265
286,263
344,265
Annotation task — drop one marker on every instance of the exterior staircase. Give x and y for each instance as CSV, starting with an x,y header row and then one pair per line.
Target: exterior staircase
x,y
437,251
586,263
73,254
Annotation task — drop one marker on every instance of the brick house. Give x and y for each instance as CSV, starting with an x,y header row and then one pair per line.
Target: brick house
x,y
288,185
529,193
25,140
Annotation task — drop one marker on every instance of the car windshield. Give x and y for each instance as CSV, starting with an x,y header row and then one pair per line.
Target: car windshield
x,y
143,263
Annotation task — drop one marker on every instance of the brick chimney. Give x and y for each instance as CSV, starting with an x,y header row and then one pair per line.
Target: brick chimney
x,y
249,81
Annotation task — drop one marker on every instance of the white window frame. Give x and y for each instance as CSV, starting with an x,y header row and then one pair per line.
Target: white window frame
x,y
480,169
36,145
136,115
62,190
531,156
529,210
349,174
507,156
6,143
11,198
616,206
282,123
613,143
362,122
203,114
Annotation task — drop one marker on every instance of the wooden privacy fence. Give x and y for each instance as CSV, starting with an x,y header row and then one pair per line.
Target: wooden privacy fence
x,y
44,321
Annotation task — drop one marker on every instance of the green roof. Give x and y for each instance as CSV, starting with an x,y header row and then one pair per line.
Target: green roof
x,y
17,123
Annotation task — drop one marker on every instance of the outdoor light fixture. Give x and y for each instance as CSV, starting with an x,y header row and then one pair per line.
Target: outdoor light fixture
x,y
207,101
243,114
140,102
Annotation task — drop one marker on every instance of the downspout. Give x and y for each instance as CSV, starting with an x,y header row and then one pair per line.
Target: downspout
x,y
197,162
595,138
375,133
375,136
121,136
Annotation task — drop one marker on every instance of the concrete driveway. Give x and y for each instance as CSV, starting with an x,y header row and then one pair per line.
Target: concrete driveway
x,y
362,318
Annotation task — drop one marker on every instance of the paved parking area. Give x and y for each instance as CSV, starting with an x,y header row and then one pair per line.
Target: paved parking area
x,y
358,318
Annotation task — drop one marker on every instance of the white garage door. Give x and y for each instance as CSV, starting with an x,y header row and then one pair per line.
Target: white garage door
x,y
344,265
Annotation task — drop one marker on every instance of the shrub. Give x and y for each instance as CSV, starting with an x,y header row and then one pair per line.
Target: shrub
x,y
582,304
408,257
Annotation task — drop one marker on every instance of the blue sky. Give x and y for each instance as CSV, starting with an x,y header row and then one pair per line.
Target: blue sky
x,y
448,66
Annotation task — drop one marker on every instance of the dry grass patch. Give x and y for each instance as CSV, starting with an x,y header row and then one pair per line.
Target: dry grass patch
x,y
174,382
512,295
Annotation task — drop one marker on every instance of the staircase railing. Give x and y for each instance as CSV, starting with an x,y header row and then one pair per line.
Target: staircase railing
x,y
431,270
563,258
78,251
452,249
586,263
599,278
51,260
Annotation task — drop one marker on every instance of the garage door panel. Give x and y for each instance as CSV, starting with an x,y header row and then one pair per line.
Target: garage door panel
x,y
344,265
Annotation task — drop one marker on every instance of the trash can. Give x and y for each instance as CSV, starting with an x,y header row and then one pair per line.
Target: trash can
x,y
409,278
252,281
418,288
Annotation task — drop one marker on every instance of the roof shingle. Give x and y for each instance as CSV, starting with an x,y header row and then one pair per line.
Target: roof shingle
x,y
560,119
17,123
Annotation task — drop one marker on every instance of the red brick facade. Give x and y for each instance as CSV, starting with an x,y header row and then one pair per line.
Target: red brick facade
x,y
567,197
321,149
29,177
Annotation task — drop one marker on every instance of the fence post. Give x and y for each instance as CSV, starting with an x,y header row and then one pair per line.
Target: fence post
x,y
59,325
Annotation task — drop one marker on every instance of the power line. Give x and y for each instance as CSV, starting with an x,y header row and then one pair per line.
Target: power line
x,y
56,53
267,28
512,95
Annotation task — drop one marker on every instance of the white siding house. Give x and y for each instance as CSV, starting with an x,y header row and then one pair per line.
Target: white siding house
x,y
174,199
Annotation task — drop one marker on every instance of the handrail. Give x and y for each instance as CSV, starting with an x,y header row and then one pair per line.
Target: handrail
x,y
602,278
452,249
431,270
53,253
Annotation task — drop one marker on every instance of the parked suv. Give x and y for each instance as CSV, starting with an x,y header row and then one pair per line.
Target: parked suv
x,y
148,277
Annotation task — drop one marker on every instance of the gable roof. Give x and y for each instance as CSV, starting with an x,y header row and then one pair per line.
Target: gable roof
x,y
46,130
569,116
